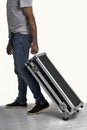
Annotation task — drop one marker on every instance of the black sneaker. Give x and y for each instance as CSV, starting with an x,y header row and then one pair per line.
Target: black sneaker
x,y
15,104
38,108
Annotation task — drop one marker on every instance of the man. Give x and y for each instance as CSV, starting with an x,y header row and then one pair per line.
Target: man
x,y
22,37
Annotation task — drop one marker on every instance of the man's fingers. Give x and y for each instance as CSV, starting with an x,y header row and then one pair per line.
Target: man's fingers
x,y
9,50
33,51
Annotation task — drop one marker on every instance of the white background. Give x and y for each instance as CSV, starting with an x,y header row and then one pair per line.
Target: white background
x,y
62,34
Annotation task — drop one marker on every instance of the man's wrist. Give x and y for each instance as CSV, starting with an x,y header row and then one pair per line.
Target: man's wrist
x,y
9,41
35,42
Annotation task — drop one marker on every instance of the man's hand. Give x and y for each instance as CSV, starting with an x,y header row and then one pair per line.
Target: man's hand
x,y
9,48
34,48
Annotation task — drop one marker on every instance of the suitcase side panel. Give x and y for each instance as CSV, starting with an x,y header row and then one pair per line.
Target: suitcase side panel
x,y
50,90
54,89
59,79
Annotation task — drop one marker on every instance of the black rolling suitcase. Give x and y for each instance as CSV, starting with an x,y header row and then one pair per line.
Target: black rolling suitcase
x,y
54,84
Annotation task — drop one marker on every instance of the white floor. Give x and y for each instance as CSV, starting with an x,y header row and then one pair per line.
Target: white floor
x,y
17,119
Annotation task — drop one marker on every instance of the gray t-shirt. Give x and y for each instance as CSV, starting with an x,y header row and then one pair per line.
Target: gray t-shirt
x,y
17,21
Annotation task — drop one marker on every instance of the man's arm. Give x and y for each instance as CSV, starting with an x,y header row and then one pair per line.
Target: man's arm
x,y
28,11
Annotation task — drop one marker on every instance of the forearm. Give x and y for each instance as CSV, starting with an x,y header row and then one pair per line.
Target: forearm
x,y
9,34
33,28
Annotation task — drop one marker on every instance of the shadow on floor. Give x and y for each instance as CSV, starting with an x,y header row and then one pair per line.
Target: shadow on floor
x,y
17,119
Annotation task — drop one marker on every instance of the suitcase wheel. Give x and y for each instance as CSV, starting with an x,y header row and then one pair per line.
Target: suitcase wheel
x,y
82,106
65,119
77,111
65,116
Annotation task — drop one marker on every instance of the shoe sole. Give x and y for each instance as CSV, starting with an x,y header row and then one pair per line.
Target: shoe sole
x,y
15,107
37,112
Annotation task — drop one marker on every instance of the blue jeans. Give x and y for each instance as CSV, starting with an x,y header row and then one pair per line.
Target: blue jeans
x,y
21,44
